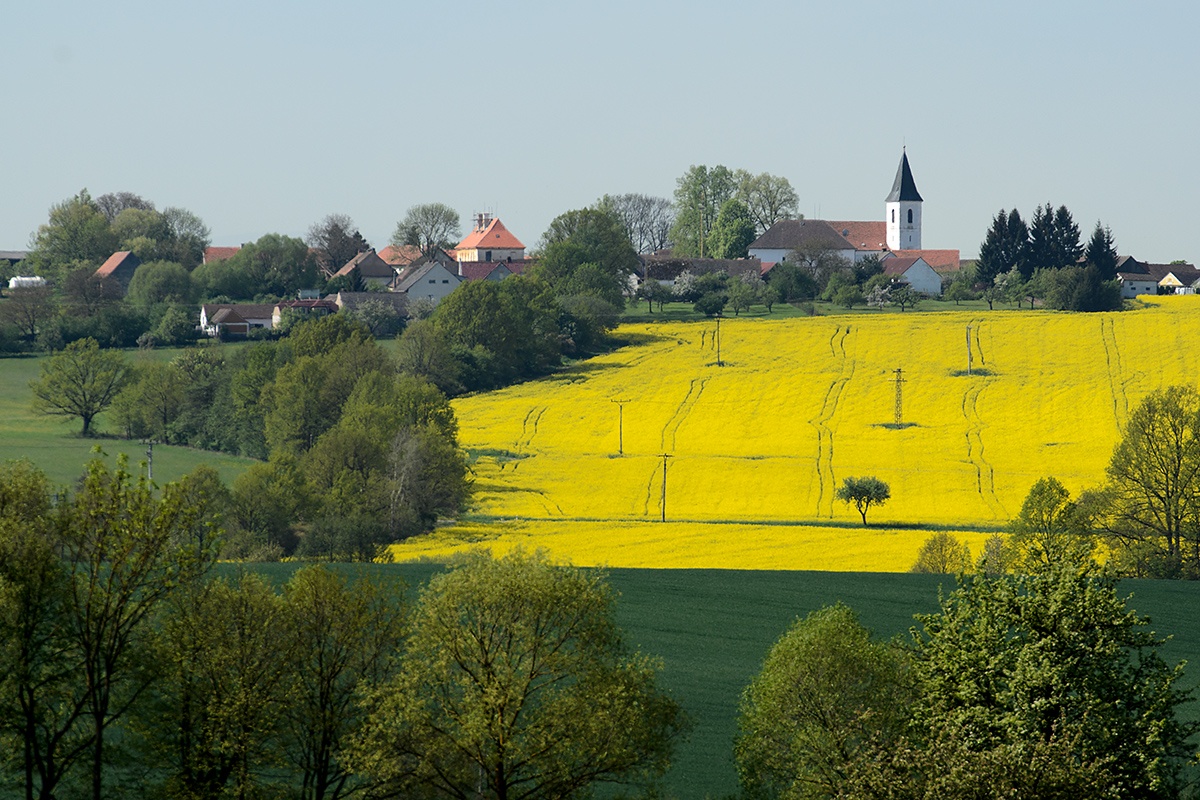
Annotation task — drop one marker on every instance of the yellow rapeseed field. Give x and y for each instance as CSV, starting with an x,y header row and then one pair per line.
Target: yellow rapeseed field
x,y
758,445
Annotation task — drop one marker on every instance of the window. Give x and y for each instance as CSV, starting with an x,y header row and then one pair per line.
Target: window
x,y
431,280
446,281
910,216
893,215
488,256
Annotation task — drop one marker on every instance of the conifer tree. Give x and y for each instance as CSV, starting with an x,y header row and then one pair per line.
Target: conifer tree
x,y
1102,251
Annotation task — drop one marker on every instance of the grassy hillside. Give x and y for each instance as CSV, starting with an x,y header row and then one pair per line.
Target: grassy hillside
x,y
712,629
54,444
759,444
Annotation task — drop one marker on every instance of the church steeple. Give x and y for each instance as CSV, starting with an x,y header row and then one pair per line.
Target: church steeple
x,y
903,209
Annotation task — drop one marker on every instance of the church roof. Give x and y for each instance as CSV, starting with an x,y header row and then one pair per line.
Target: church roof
x,y
788,234
870,235
904,188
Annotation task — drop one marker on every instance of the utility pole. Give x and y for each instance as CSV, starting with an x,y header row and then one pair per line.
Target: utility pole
x,y
899,396
663,500
620,425
150,459
968,349
719,364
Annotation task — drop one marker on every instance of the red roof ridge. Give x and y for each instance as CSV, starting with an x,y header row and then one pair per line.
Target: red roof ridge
x,y
495,236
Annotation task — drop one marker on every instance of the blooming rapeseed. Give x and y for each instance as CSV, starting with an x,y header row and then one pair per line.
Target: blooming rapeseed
x,y
758,446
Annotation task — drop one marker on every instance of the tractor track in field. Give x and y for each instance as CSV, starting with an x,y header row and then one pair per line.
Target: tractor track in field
x,y
529,427
976,324
985,473
649,491
1116,373
695,389
829,407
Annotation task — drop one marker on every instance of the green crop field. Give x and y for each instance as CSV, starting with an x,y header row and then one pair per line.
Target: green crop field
x,y
54,443
712,629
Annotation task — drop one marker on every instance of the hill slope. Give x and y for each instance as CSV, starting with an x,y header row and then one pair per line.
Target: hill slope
x,y
759,444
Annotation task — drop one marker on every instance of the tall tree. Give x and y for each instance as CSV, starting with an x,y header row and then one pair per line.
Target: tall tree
x,y
112,204
1101,252
344,640
733,231
1047,531
125,552
29,309
1053,240
1154,474
516,683
76,231
699,194
1005,247
429,226
336,240
768,198
189,237
827,696
80,381
647,220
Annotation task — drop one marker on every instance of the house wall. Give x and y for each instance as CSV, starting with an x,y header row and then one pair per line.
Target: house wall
x,y
922,278
434,285
497,254
1134,288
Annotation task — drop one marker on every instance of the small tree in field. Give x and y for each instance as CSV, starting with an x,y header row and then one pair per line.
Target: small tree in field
x,y
863,493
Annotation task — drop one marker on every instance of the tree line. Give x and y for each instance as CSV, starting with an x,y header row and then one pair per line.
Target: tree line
x,y
1046,260
128,667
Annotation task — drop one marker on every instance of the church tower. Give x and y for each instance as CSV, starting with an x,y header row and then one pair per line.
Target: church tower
x,y
904,210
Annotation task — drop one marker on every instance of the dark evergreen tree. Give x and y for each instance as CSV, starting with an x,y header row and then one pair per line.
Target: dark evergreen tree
x,y
1004,247
1053,240
1102,252
1067,247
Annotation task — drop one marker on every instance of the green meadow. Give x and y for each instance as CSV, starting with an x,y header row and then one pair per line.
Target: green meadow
x,y
54,444
713,628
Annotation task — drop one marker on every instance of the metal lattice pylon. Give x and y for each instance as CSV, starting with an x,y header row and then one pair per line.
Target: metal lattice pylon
x,y
899,396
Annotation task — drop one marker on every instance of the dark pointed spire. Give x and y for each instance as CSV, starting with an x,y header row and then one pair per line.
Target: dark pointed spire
x,y
904,187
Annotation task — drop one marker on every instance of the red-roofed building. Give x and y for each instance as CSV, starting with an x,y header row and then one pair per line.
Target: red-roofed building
x,y
489,240
119,267
944,262
914,271
400,256
219,253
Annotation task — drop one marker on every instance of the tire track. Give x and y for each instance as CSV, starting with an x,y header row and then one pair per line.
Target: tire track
x,y
985,473
529,427
695,389
649,491
829,406
975,326
1116,381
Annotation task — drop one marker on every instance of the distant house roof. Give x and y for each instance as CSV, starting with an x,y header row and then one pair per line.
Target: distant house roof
x,y
898,265
400,256
862,235
940,260
480,270
122,260
904,188
494,236
352,300
247,311
13,255
219,253
369,265
227,316
789,234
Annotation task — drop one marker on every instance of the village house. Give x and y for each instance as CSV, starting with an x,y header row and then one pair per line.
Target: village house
x,y
1138,277
373,270
119,269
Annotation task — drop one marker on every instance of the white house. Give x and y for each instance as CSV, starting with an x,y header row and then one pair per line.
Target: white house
x,y
428,281
916,272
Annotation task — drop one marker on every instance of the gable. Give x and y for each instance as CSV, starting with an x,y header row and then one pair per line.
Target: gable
x,y
492,237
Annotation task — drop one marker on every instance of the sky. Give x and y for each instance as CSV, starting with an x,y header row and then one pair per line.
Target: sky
x,y
266,117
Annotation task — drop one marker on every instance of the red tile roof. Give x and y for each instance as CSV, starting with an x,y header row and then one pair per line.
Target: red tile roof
x,y
863,235
494,237
478,270
400,256
219,253
940,260
114,263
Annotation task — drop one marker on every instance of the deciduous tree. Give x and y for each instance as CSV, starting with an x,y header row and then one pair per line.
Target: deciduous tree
x,y
733,231
516,682
647,220
429,226
336,240
768,198
80,381
699,194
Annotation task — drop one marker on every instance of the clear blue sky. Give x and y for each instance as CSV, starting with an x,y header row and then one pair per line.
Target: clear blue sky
x,y
265,117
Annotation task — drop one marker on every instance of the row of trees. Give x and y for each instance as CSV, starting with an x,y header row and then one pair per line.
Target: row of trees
x,y
361,449
127,668
1047,260
1037,686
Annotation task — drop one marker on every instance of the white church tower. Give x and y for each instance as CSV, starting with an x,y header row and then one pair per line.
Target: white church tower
x,y
904,210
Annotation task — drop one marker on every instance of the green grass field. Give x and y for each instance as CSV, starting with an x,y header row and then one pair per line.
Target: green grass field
x,y
712,629
54,444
